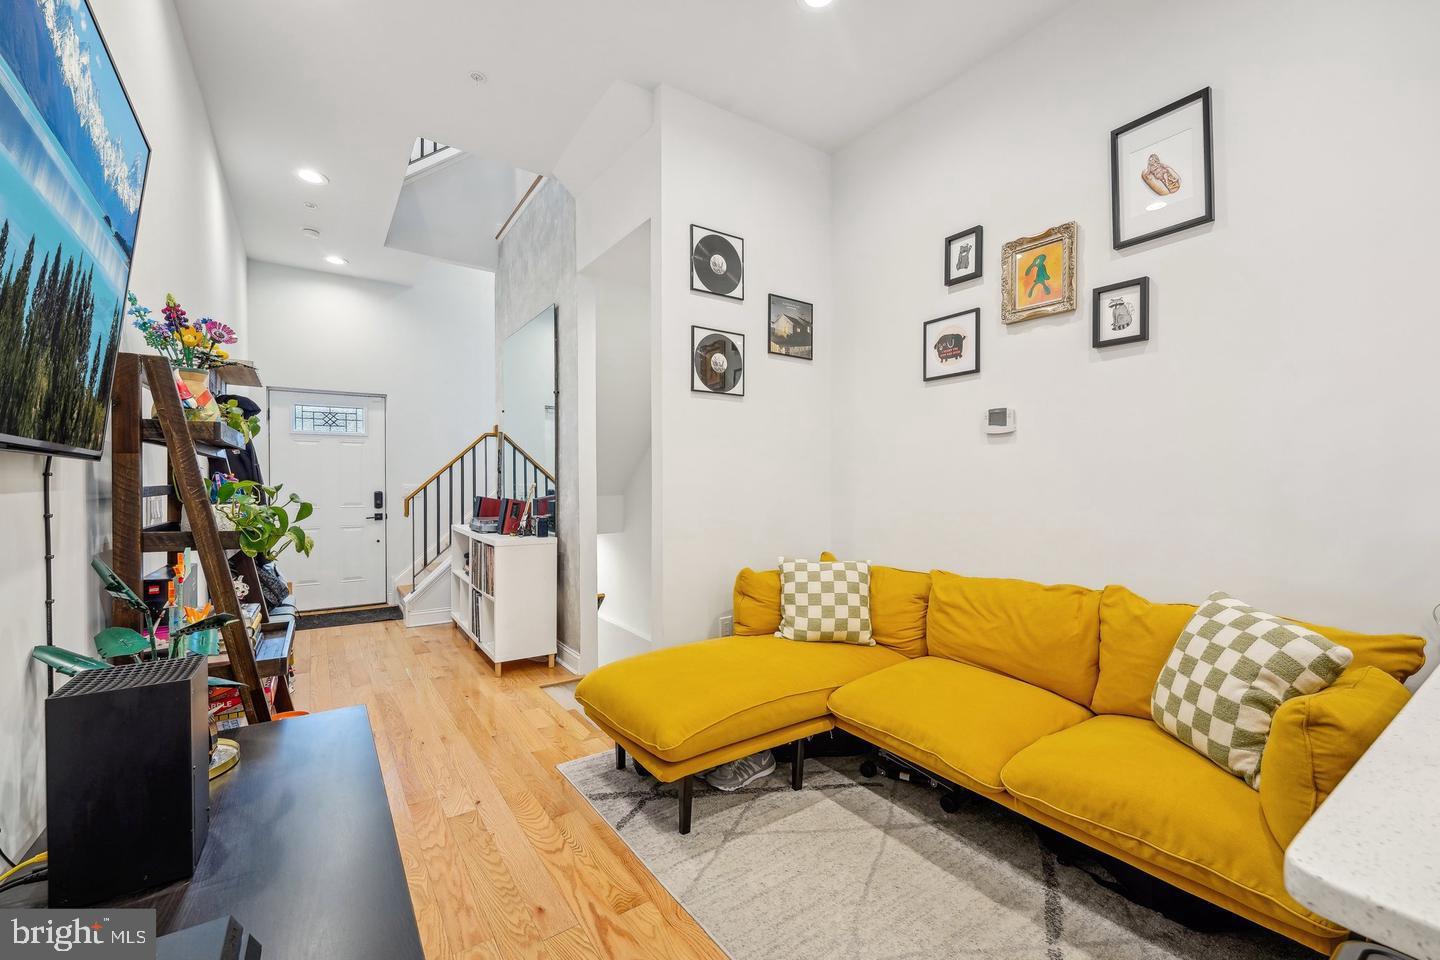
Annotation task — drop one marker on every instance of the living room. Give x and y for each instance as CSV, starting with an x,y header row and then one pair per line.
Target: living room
x,y
618,606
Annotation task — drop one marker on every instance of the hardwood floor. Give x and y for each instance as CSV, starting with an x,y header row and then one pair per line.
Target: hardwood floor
x,y
504,858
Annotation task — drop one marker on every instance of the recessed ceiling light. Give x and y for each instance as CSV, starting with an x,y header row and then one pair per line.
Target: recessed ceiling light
x,y
310,175
310,232
336,259
812,4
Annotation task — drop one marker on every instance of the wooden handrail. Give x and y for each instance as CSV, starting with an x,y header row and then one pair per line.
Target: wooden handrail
x,y
500,437
453,460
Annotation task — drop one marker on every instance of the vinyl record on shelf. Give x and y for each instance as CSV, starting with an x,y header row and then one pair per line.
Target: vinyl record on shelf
x,y
717,263
718,362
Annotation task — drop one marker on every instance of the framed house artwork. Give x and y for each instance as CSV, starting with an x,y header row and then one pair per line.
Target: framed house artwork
x,y
1162,173
792,327
717,362
1120,313
717,263
964,260
952,346
1038,275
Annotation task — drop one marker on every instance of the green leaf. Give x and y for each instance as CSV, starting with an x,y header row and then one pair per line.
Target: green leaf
x,y
65,661
303,511
116,587
206,623
120,642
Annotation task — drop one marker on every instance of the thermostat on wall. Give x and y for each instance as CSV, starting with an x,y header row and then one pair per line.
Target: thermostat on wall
x,y
1000,420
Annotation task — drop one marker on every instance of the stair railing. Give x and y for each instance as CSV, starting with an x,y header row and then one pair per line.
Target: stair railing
x,y
492,465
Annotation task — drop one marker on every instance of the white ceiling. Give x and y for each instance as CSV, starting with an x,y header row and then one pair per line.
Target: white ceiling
x,y
345,86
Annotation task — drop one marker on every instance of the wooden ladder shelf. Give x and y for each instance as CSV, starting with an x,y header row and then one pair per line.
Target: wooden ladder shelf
x,y
185,443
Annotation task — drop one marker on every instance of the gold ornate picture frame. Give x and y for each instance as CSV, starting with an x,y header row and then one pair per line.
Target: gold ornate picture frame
x,y
1038,275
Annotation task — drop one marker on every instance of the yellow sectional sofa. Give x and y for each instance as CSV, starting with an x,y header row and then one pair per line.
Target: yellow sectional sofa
x,y
1036,697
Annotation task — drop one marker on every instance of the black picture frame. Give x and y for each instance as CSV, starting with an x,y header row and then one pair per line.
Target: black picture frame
x,y
739,339
697,231
1142,331
925,346
979,270
1203,96
770,345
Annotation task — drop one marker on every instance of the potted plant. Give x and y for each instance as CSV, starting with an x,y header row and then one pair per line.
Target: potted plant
x,y
264,521
193,347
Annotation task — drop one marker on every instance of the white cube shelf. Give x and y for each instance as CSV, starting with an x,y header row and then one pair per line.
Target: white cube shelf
x,y
502,594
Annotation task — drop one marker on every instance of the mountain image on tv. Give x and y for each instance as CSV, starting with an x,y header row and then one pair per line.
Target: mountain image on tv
x,y
72,172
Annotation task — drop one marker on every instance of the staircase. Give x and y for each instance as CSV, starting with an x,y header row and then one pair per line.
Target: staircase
x,y
492,465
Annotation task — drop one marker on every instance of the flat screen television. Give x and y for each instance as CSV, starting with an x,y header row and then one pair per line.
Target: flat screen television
x,y
73,162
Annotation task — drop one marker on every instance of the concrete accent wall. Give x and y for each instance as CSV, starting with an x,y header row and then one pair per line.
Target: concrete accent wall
x,y
537,269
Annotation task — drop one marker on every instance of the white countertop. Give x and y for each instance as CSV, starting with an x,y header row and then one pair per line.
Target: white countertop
x,y
1370,856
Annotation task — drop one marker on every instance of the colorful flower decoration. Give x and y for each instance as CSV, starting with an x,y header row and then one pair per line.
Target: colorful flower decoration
x,y
187,344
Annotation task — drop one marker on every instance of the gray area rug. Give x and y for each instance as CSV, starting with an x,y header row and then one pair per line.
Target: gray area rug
x,y
856,868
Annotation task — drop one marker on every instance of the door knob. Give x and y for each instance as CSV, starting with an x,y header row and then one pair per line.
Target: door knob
x,y
377,516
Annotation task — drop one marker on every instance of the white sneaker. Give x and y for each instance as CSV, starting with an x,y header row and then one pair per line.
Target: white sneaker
x,y
731,776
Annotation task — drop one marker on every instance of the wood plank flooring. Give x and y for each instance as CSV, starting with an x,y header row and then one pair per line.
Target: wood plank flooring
x,y
504,858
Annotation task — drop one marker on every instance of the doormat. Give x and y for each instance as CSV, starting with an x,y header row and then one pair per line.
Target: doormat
x,y
347,618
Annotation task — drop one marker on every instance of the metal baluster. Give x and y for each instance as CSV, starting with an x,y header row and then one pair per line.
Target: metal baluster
x,y
424,529
450,500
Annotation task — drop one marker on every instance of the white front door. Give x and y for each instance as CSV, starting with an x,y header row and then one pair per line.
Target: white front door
x,y
330,449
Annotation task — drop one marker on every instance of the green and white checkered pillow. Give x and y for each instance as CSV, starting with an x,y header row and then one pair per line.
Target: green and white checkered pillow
x,y
825,602
1229,672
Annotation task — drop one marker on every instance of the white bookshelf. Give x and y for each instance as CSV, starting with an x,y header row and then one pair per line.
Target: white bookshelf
x,y
502,594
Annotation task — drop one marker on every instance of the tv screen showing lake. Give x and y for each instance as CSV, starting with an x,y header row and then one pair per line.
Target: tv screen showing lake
x,y
72,173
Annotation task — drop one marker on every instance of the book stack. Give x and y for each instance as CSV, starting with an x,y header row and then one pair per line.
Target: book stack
x,y
226,708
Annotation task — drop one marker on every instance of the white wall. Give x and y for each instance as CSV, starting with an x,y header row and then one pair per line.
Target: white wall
x,y
741,480
1273,438
623,560
188,243
427,347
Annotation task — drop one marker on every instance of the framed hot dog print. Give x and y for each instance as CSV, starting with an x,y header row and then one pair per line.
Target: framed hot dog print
x,y
1162,172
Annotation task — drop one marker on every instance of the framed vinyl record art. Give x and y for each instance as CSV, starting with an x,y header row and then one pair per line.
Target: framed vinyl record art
x,y
1120,313
952,346
1038,276
1162,175
717,263
964,259
717,362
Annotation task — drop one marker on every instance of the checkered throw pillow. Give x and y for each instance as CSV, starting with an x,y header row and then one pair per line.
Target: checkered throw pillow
x,y
1229,672
825,602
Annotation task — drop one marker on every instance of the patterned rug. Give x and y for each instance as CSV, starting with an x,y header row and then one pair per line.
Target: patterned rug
x,y
856,868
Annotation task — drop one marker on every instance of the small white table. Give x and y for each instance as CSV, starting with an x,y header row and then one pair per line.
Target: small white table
x,y
1370,856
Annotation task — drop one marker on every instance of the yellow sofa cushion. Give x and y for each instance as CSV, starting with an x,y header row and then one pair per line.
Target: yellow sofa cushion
x,y
899,602
1132,629
959,721
1316,739
1045,635
757,603
1130,784
1136,637
683,701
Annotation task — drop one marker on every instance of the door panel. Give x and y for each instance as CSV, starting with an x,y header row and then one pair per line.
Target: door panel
x,y
330,449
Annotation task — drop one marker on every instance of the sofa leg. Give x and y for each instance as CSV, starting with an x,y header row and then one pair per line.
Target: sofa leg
x,y
619,757
687,797
797,766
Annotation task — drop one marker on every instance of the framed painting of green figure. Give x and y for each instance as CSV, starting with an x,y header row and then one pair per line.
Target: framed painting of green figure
x,y
1038,278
